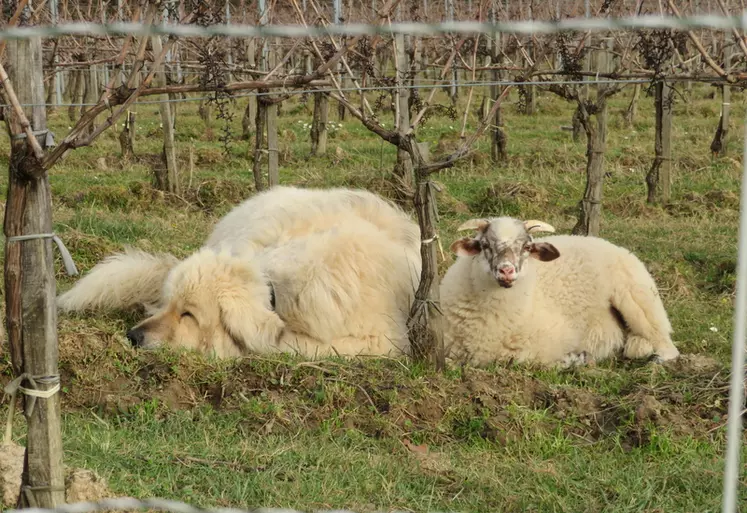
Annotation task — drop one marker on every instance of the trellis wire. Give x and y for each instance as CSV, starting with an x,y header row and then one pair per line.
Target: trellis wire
x,y
736,392
363,29
358,89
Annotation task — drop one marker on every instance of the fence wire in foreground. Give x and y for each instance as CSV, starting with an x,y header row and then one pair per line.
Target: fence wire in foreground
x,y
128,504
362,29
736,392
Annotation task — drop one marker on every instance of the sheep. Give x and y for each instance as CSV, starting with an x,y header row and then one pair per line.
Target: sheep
x,y
319,272
555,301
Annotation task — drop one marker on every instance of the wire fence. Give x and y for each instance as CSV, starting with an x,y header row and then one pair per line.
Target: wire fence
x,y
129,504
363,29
725,23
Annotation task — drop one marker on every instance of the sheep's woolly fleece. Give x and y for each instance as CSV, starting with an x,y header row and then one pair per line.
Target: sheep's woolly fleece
x,y
590,302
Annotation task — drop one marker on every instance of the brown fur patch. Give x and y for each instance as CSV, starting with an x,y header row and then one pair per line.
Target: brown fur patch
x,y
544,251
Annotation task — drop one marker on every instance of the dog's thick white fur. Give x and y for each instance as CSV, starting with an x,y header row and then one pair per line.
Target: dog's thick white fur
x,y
342,266
566,298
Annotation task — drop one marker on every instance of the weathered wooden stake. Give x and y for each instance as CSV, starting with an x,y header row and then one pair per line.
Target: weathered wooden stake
x,y
403,167
250,113
127,136
658,179
425,319
167,181
498,137
273,150
590,214
259,139
721,138
77,90
319,124
632,110
530,91
31,312
91,95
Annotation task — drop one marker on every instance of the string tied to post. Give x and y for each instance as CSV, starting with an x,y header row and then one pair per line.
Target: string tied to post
x,y
67,260
32,392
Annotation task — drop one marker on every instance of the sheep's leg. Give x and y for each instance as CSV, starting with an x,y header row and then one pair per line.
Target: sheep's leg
x,y
648,325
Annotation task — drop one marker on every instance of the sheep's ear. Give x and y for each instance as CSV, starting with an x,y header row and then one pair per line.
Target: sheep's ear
x,y
533,226
474,224
543,251
466,246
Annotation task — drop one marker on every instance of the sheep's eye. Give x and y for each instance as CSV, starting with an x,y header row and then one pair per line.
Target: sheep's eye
x,y
187,314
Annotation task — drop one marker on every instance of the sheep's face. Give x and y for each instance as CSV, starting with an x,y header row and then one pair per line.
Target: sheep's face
x,y
502,245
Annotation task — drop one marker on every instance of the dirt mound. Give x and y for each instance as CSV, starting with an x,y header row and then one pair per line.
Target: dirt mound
x,y
387,397
11,468
81,485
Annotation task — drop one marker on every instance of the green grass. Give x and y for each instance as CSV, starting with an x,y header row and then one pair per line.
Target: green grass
x,y
277,432
208,459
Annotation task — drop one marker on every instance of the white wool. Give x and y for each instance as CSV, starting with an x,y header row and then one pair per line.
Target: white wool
x,y
556,309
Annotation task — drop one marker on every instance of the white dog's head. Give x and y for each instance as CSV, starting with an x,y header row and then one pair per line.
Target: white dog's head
x,y
212,303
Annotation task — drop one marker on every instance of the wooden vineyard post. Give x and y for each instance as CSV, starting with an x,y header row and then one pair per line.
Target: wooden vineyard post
x,y
251,106
30,279
590,215
167,180
337,8
632,109
425,320
720,139
266,119
403,167
259,138
319,124
273,150
658,179
90,78
498,151
530,92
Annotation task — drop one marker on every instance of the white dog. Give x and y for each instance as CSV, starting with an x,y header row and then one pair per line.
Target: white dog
x,y
314,271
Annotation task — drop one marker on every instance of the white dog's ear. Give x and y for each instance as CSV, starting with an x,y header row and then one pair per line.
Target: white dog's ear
x,y
244,314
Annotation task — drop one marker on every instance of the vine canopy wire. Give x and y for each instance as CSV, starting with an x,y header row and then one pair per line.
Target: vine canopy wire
x,y
362,29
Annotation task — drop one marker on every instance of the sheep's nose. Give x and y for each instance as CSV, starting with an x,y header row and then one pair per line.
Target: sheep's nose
x,y
135,337
507,272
